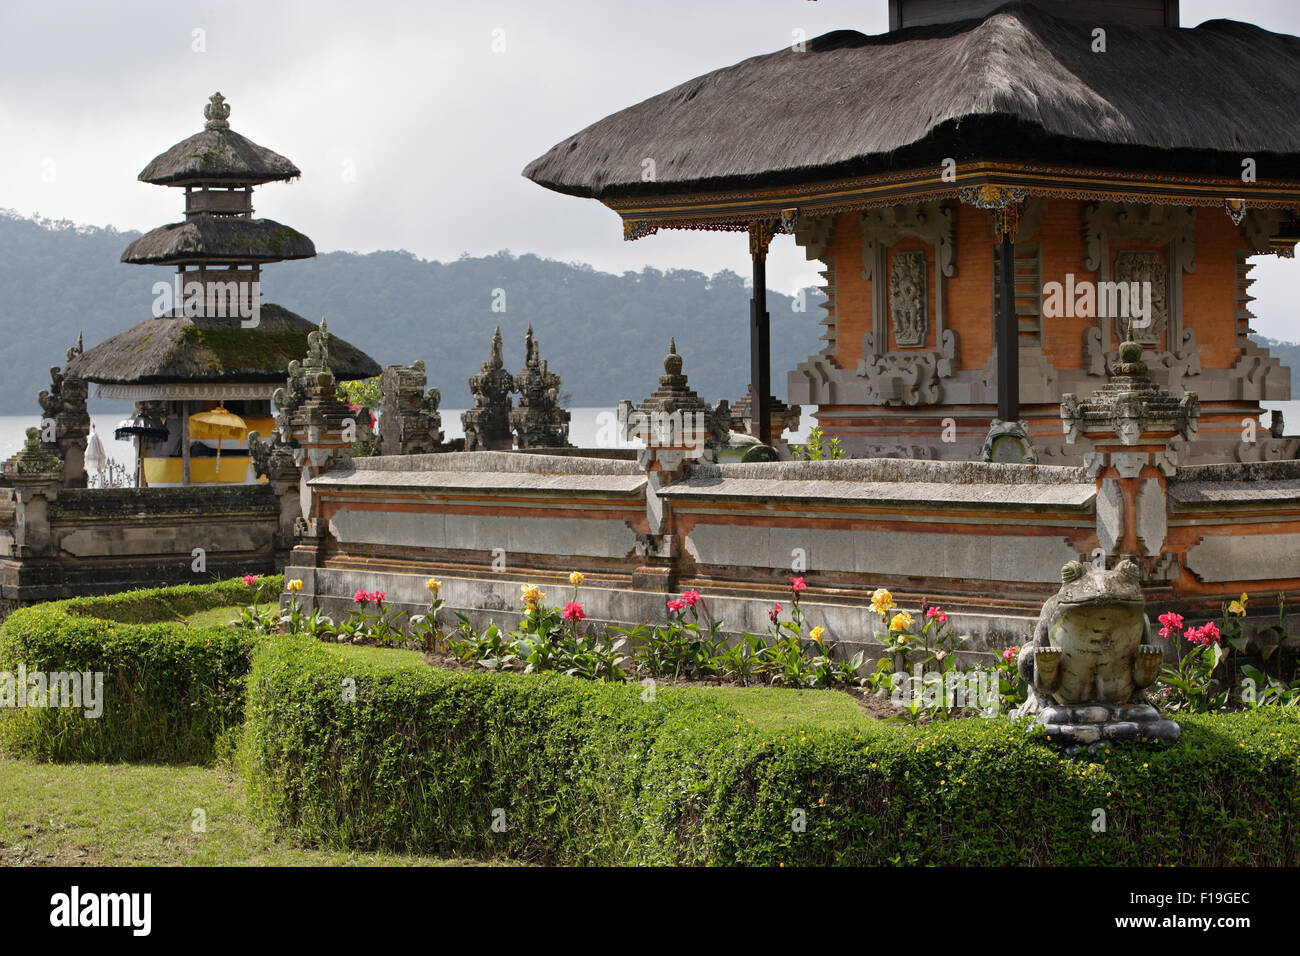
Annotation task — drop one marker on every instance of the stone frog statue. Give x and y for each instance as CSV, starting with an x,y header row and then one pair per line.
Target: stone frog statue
x,y
1092,643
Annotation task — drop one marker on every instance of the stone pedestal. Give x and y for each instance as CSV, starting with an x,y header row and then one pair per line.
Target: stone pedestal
x,y
678,428
1091,727
1132,424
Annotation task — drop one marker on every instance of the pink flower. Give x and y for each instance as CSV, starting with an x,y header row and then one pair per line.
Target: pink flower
x,y
1204,635
573,611
1009,654
1173,623
690,598
677,605
797,585
378,596
361,597
774,613
938,612
250,580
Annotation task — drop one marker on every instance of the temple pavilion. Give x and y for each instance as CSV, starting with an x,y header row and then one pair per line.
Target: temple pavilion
x,y
212,345
998,194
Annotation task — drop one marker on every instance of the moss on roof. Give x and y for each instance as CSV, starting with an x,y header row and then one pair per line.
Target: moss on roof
x,y
170,349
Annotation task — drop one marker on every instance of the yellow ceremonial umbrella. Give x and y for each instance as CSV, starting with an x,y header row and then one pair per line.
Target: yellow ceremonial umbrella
x,y
217,423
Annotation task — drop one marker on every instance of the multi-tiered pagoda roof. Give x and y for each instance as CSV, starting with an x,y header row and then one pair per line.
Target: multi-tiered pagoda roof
x,y
219,240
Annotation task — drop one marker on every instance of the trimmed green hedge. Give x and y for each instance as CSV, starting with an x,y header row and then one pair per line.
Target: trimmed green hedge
x,y
170,691
424,759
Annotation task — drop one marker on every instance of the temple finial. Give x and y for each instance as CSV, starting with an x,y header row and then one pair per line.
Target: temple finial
x,y
216,112
672,361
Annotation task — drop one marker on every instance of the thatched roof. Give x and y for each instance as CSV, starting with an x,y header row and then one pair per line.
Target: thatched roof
x,y
218,156
220,239
169,349
1019,83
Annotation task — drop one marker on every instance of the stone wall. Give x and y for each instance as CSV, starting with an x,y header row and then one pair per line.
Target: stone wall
x,y
986,541
64,542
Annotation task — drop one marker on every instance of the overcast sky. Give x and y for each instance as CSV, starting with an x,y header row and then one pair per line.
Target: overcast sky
x,y
410,130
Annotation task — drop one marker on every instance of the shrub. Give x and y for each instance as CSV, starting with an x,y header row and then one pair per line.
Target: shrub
x,y
575,771
170,691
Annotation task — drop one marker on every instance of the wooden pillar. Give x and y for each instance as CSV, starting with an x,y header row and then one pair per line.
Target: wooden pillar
x,y
1008,333
185,442
760,337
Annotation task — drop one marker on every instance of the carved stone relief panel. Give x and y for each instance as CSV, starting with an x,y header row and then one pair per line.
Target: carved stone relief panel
x,y
1144,274
908,299
1174,229
932,223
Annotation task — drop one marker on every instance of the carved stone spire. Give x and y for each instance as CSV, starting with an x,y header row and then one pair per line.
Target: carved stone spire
x,y
539,421
487,424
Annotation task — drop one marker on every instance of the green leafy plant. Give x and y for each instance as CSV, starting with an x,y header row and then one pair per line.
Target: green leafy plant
x,y
818,447
424,627
1192,686
259,620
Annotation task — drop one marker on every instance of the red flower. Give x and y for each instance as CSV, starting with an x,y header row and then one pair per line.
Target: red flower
x,y
1009,654
938,612
775,612
677,605
378,596
690,598
1173,623
797,585
573,611
250,580
361,597
1203,635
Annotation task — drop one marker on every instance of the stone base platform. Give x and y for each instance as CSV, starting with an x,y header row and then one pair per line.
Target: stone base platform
x,y
1090,727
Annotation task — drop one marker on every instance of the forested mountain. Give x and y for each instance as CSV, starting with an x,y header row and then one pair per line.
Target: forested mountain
x,y
605,334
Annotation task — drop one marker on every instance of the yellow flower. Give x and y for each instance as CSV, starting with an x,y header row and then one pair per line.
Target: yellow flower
x,y
881,601
1239,606
531,595
295,585
902,622
433,584
816,634
575,578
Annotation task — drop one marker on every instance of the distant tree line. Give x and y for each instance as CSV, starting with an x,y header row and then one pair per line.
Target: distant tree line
x,y
605,334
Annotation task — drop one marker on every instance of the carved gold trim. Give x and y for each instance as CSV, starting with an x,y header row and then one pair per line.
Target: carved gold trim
x,y
734,210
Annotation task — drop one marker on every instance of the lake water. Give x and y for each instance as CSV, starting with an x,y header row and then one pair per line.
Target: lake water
x,y
588,428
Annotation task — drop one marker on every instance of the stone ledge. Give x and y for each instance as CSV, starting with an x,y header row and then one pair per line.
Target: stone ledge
x,y
900,470
984,495
498,462
1234,491
1237,471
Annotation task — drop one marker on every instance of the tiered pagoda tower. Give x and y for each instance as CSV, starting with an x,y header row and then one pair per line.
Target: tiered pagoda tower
x,y
212,341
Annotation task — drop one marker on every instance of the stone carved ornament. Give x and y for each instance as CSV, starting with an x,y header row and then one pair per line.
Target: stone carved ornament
x,y
882,229
908,299
1172,227
1134,266
911,378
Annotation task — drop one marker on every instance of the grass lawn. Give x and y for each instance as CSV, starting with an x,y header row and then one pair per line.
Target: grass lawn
x,y
221,616
767,708
133,815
